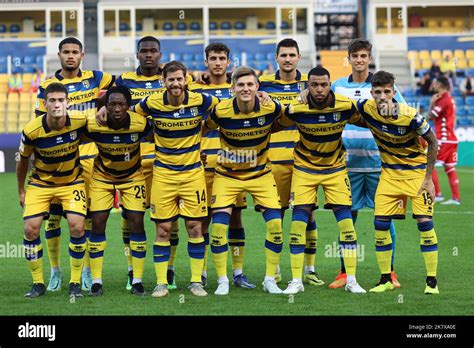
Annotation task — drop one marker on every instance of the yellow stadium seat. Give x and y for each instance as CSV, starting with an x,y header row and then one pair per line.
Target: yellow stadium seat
x,y
469,54
436,54
417,64
426,63
412,55
471,63
447,53
446,24
459,54
433,23
3,83
25,98
3,98
27,81
461,64
424,54
2,126
459,24
13,98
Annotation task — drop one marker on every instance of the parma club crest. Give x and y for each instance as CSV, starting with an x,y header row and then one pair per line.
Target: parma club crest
x,y
73,135
261,121
194,111
301,86
134,137
336,116
401,130
86,84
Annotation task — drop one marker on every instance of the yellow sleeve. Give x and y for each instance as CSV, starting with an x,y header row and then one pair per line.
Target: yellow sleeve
x,y
285,118
26,145
212,120
106,81
142,108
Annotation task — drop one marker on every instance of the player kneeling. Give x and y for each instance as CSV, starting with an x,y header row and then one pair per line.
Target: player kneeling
x,y
118,167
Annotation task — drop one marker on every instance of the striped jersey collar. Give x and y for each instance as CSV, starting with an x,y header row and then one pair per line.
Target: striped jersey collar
x,y
59,77
368,80
139,72
298,75
166,102
46,127
256,108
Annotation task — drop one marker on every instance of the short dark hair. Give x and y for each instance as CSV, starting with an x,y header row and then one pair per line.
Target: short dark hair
x,y
358,45
443,81
217,47
120,90
383,78
243,71
319,71
70,40
148,39
55,87
173,66
287,43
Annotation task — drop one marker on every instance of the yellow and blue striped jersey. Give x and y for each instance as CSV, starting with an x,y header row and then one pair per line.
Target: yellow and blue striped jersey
x,y
320,149
177,129
244,138
285,92
119,149
210,142
56,152
397,137
83,94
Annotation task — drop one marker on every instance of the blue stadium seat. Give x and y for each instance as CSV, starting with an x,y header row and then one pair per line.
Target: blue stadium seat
x,y
469,101
259,65
226,26
188,57
199,57
459,101
200,66
470,72
3,28
270,25
178,56
462,121
167,26
165,57
461,112
240,25
408,93
195,26
456,92
14,28
212,26
270,56
285,25
138,27
41,28
40,61
470,120
250,56
259,56
182,26
29,59
470,110
124,27
58,28
3,65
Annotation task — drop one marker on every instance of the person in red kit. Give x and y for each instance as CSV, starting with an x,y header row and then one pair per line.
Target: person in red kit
x,y
443,112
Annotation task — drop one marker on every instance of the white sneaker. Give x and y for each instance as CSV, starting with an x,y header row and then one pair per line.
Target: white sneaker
x,y
439,199
271,287
451,202
294,288
222,289
355,288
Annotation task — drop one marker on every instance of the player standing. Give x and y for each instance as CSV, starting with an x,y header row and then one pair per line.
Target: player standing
x,y
363,156
320,161
219,85
243,166
285,85
406,173
443,111
53,139
179,188
83,87
117,167
144,81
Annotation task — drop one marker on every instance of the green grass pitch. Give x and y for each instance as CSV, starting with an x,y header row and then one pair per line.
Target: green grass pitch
x,y
454,226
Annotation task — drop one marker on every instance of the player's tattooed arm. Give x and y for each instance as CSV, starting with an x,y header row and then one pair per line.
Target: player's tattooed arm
x,y
21,172
427,184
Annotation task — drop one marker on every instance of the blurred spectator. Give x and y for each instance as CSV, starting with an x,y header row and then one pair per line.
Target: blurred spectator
x,y
435,70
467,86
36,80
448,67
425,84
15,83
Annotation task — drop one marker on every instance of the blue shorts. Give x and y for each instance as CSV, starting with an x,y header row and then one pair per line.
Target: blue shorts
x,y
363,187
